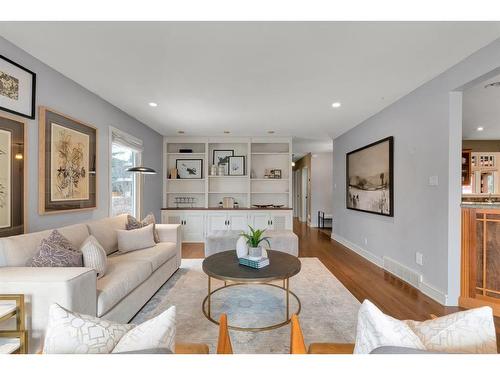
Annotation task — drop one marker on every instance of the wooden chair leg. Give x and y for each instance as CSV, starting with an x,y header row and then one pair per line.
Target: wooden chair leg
x,y
224,345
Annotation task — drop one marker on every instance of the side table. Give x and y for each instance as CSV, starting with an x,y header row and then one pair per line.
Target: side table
x,y
13,341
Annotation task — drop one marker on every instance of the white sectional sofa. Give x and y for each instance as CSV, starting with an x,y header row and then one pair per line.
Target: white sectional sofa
x,y
130,280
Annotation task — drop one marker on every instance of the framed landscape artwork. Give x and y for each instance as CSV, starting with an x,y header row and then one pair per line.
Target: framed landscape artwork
x,y
236,165
17,88
12,176
189,168
68,150
221,157
370,180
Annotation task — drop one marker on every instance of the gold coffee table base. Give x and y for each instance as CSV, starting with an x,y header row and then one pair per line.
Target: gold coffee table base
x,y
206,304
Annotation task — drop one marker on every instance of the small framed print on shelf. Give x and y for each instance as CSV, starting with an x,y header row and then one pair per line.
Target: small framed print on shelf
x,y
221,158
189,168
236,165
17,88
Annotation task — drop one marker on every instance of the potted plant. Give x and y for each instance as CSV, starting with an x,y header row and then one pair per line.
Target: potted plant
x,y
254,239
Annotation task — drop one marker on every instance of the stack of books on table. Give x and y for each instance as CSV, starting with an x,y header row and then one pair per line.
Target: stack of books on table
x,y
253,262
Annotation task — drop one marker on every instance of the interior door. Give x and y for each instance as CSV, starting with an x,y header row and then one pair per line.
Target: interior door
x,y
216,221
193,227
238,221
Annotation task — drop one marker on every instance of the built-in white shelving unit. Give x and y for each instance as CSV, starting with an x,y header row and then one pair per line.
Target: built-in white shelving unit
x,y
248,190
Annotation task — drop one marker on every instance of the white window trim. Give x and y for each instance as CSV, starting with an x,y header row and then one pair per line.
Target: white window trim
x,y
138,187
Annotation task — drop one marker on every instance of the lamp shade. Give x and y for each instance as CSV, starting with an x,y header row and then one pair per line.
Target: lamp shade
x,y
143,170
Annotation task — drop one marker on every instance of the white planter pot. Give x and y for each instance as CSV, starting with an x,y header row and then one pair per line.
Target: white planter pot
x,y
255,252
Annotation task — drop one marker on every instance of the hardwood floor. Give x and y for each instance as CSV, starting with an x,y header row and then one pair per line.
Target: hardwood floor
x,y
361,277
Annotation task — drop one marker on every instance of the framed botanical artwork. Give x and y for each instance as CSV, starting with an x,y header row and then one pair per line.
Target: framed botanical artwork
x,y
370,178
221,157
68,162
17,88
12,176
236,165
189,168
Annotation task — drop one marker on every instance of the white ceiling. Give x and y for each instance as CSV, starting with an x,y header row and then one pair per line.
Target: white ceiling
x,y
481,108
250,77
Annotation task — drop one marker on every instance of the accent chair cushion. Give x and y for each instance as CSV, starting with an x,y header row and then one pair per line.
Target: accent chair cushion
x,y
56,251
133,223
135,239
94,256
471,331
72,333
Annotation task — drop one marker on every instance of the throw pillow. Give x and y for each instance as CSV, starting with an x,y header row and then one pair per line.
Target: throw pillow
x,y
155,333
72,333
94,256
133,223
471,331
375,329
135,239
56,251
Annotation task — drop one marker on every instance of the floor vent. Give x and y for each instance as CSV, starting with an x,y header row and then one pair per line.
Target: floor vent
x,y
403,272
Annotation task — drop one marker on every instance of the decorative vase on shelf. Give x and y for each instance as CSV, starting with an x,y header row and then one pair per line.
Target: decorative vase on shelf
x,y
255,252
241,247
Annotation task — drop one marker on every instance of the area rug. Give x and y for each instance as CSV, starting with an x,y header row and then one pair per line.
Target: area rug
x,y
329,310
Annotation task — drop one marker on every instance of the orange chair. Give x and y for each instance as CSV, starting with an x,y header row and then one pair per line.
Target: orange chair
x,y
223,345
298,346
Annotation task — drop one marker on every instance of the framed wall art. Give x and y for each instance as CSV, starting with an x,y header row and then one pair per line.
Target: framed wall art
x,y
17,88
68,163
370,178
236,165
12,176
221,157
189,168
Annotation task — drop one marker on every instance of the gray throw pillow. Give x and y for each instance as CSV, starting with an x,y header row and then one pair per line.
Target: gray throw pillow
x,y
56,251
133,223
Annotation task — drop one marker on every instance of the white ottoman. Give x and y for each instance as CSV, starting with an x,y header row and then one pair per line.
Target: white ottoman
x,y
223,240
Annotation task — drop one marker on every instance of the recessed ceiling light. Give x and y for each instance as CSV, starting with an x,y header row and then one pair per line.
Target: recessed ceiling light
x,y
336,105
153,104
270,132
293,164
480,129
180,131
226,132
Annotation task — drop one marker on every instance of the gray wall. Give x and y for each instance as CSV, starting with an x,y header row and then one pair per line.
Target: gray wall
x,y
321,185
64,95
426,125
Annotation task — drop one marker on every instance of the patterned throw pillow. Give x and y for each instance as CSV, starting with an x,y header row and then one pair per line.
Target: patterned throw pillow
x,y
73,333
56,251
94,256
133,223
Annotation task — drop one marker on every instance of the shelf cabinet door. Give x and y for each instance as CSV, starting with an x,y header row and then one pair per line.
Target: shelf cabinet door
x,y
238,221
260,220
172,218
193,228
216,221
281,221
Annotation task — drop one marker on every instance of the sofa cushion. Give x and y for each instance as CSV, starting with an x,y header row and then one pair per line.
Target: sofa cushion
x,y
135,239
121,278
156,255
104,231
16,251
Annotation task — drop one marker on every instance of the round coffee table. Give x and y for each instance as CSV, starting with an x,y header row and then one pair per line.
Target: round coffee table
x,y
225,266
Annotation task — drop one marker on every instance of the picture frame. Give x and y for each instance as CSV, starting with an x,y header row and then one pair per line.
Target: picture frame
x,y
237,166
222,157
67,163
370,178
276,173
13,176
189,168
17,88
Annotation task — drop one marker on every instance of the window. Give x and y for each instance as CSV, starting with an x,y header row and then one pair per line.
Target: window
x,y
126,152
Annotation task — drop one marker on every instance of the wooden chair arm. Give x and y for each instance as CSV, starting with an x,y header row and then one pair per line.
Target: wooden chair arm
x,y
224,344
191,348
297,344
330,348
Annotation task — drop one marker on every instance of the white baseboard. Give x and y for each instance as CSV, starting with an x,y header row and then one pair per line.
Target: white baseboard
x,y
424,287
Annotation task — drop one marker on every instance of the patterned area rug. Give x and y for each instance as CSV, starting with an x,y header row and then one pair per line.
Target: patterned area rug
x,y
328,313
